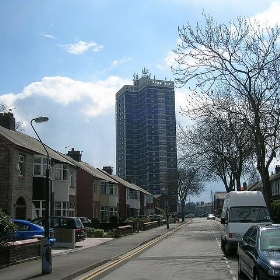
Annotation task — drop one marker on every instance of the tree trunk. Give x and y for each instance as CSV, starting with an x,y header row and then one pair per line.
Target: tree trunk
x,y
266,187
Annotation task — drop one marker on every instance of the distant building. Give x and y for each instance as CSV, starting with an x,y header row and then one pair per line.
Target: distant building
x,y
146,134
219,198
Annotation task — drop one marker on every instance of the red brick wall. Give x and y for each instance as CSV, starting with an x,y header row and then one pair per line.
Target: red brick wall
x,y
122,202
84,194
5,159
20,251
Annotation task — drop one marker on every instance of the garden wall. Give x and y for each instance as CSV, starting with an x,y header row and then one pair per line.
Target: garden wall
x,y
20,251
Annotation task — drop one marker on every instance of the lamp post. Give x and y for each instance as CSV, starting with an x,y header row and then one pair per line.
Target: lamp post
x,y
47,253
166,214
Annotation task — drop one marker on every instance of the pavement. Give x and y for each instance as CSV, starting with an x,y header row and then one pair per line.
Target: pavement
x,y
87,255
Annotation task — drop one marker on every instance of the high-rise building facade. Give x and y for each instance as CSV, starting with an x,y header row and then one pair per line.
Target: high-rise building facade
x,y
146,151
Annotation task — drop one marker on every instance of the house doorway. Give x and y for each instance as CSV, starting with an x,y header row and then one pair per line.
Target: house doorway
x,y
20,208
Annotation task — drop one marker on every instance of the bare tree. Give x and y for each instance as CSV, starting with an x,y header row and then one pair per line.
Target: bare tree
x,y
188,179
253,176
18,124
222,144
190,182
3,107
243,58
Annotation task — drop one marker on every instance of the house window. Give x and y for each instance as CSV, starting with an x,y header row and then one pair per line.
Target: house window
x,y
95,187
39,166
113,211
71,209
61,208
72,179
103,187
61,172
38,208
133,194
21,164
112,189
104,214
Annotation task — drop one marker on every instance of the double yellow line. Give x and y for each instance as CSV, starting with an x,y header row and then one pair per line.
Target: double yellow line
x,y
101,269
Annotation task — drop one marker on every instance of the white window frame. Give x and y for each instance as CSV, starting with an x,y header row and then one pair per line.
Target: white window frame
x,y
72,178
41,164
61,172
21,164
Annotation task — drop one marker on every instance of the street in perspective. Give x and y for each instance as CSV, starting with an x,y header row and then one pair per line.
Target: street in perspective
x,y
191,252
140,140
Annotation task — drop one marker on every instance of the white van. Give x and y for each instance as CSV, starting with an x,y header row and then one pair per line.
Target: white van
x,y
241,210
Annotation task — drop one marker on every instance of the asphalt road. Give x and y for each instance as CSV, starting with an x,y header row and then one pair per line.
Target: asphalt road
x,y
192,252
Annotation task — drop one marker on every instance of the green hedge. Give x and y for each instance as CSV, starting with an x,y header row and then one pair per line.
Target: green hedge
x,y
7,228
94,232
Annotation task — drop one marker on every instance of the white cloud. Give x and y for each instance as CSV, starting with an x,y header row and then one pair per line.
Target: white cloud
x,y
269,16
8,99
169,61
116,63
81,114
47,35
94,98
81,47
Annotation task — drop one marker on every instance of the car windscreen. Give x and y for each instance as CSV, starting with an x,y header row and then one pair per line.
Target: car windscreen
x,y
249,214
79,223
270,239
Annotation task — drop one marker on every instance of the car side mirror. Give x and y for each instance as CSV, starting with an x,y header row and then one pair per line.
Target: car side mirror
x,y
223,221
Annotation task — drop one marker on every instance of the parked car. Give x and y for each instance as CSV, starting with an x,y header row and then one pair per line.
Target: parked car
x,y
211,217
29,230
85,221
154,218
65,222
241,210
259,252
190,216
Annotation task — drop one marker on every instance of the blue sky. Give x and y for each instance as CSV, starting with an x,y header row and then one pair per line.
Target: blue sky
x,y
66,59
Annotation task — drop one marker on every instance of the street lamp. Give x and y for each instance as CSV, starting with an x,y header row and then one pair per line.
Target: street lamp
x,y
166,214
47,253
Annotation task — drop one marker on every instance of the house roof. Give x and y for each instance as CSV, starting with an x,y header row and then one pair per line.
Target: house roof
x,y
32,144
275,176
142,190
220,195
125,183
88,168
97,172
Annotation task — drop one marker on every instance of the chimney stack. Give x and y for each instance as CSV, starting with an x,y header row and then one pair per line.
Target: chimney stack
x,y
108,169
76,155
8,121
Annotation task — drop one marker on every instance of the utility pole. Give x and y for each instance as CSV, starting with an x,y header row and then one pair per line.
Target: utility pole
x,y
166,214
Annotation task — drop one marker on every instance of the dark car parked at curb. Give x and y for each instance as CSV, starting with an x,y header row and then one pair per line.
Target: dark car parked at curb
x,y
65,222
259,252
28,230
85,221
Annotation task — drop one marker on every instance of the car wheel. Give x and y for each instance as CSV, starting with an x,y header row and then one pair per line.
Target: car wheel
x,y
256,275
240,272
227,249
222,244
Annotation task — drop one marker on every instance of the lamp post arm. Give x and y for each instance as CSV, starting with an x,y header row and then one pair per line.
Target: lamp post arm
x,y
39,138
46,254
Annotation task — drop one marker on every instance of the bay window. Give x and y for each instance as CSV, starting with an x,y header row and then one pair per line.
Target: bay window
x,y
61,172
39,166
